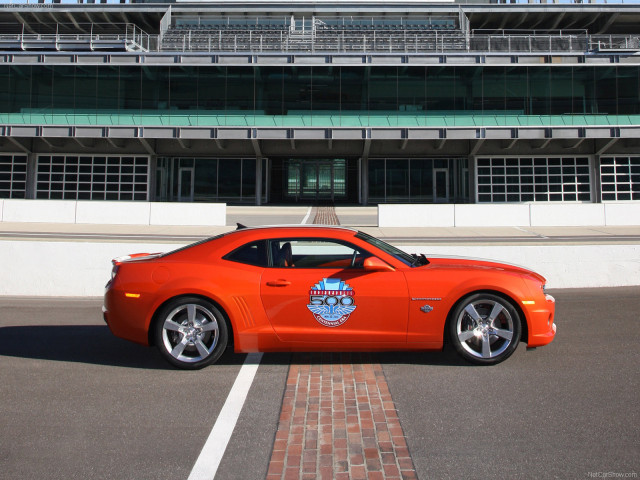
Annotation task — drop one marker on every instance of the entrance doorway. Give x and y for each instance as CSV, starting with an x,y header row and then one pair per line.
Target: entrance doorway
x,y
185,184
315,180
441,185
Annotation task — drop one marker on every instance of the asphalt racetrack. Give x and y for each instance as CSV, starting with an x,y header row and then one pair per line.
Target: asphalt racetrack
x,y
78,403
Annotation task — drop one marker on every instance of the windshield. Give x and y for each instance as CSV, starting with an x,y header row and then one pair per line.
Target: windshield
x,y
404,257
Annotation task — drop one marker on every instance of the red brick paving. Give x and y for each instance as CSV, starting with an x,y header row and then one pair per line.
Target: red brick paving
x,y
338,421
326,215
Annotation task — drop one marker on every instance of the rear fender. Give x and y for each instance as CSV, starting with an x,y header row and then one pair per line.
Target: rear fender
x,y
190,287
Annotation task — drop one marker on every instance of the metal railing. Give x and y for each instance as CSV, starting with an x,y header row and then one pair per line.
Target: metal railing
x,y
76,37
129,37
614,42
407,41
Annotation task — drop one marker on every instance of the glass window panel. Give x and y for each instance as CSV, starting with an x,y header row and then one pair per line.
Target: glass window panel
x,y
377,179
206,180
249,178
397,179
230,187
421,180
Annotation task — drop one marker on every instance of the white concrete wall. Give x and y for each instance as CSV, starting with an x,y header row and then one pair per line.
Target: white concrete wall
x,y
622,213
564,266
39,211
188,214
514,215
41,268
36,268
483,215
409,215
567,214
116,213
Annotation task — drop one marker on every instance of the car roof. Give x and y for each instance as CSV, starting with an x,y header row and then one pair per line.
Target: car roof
x,y
295,225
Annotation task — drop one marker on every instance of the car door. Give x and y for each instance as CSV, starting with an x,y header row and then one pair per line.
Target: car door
x,y
317,291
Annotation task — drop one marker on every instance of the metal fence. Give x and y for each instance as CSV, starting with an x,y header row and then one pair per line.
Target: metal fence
x,y
276,38
76,37
407,41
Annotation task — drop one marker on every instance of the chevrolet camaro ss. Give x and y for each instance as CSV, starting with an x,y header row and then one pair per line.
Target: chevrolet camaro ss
x,y
319,288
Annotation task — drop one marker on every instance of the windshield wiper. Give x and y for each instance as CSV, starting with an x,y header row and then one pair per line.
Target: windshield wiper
x,y
419,260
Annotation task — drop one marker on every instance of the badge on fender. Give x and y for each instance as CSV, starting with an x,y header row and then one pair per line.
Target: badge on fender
x,y
331,301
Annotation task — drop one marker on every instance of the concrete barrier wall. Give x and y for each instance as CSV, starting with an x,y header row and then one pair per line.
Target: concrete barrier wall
x,y
188,214
622,213
39,211
502,215
515,215
41,268
76,269
564,266
567,215
114,212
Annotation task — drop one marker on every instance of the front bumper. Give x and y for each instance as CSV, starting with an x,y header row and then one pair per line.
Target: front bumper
x,y
542,328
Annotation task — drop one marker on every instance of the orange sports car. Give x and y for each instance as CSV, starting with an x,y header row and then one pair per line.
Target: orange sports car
x,y
318,288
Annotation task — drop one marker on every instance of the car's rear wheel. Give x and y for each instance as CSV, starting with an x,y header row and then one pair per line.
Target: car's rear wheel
x,y
485,328
191,332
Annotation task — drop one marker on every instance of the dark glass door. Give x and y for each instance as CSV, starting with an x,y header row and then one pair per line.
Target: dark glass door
x,y
316,179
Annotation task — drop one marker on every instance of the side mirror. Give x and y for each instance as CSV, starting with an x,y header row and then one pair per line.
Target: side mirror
x,y
374,264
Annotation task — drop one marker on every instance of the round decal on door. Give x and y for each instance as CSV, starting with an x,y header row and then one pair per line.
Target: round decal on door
x,y
331,301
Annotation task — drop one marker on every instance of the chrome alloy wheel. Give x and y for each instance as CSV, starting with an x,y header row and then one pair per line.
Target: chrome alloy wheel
x,y
190,332
485,328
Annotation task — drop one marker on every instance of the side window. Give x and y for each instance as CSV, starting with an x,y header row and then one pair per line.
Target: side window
x,y
315,253
254,253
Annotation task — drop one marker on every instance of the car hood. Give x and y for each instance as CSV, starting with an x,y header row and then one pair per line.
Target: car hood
x,y
480,264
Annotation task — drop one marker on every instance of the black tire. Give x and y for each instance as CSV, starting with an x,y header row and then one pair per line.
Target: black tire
x,y
190,332
485,328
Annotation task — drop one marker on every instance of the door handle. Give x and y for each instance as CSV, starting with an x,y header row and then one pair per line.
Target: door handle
x,y
279,283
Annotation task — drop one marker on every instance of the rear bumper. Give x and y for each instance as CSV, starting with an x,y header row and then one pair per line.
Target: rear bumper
x,y
126,317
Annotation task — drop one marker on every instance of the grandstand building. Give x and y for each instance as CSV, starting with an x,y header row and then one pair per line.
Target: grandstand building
x,y
355,102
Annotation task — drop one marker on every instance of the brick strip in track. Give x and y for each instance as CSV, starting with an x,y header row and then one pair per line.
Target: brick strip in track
x,y
326,215
338,421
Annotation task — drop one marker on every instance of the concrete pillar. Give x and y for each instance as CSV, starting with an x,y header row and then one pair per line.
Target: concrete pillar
x,y
473,189
31,175
596,182
364,180
153,171
259,181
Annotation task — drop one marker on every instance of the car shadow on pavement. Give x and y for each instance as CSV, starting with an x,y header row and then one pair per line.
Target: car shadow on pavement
x,y
95,344
91,344
446,357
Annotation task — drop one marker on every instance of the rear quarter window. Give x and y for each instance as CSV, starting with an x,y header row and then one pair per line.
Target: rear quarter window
x,y
254,253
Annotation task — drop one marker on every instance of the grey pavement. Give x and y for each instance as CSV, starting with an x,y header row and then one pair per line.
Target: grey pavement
x,y
362,218
79,403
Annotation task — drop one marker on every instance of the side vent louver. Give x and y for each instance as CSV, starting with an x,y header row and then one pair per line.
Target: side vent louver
x,y
245,311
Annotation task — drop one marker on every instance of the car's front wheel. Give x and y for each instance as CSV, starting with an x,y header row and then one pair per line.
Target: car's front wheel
x,y
485,328
191,332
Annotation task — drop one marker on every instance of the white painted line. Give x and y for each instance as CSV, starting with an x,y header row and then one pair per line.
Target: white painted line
x,y
208,462
304,220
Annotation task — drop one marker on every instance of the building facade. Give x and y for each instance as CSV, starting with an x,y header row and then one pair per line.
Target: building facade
x,y
355,102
